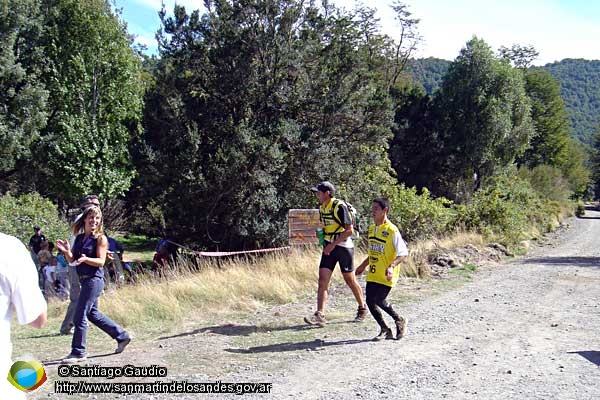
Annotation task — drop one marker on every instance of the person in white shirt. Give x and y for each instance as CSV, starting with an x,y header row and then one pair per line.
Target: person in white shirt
x,y
19,294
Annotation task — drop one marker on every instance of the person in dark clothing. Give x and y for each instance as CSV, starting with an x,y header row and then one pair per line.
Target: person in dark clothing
x,y
115,247
114,263
35,242
66,328
89,255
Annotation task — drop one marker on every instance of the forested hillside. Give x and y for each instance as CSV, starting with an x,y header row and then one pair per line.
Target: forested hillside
x,y
579,82
580,88
429,72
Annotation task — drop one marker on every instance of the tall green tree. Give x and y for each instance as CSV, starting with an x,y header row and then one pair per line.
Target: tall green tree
x,y
406,43
254,102
416,150
552,143
95,101
520,56
550,119
576,168
22,95
484,116
595,165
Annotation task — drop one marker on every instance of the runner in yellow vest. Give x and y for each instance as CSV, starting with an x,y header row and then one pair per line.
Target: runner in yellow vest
x,y
338,248
386,250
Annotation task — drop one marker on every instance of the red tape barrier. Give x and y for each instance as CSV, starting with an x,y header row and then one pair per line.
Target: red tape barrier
x,y
228,253
233,253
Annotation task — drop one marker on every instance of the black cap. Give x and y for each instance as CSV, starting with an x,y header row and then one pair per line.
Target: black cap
x,y
36,228
324,186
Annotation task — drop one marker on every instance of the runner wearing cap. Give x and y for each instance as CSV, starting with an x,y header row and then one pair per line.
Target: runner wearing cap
x,y
338,248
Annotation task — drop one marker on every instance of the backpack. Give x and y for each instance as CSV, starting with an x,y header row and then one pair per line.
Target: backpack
x,y
354,217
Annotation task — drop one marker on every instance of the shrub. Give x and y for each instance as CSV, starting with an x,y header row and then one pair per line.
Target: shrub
x,y
548,182
580,209
18,216
490,214
508,209
418,216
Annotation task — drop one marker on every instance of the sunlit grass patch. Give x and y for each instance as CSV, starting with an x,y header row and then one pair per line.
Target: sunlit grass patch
x,y
189,288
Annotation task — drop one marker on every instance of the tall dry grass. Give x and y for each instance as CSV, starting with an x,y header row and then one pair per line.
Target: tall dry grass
x,y
244,284
213,286
187,288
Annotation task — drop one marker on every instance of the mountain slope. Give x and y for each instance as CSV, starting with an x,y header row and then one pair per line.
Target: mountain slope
x,y
579,81
580,87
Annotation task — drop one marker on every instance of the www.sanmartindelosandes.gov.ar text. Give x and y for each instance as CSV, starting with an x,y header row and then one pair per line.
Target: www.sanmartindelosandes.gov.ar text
x,y
239,388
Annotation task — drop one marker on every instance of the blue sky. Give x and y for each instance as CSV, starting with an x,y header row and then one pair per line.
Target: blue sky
x,y
558,29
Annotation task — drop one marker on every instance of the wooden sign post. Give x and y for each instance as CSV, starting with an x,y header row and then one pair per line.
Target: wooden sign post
x,y
303,224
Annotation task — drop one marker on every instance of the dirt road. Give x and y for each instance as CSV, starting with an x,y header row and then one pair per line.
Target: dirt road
x,y
526,329
522,329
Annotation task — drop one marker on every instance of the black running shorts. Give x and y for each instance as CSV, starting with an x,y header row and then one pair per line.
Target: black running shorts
x,y
342,255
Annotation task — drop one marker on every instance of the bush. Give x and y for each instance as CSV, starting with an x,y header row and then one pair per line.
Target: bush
x,y
18,216
508,209
580,209
418,216
548,182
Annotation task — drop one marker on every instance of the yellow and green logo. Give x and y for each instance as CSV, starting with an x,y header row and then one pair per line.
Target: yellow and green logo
x,y
27,375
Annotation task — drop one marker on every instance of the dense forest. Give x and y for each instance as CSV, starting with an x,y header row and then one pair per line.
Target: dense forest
x,y
580,88
579,83
252,102
429,72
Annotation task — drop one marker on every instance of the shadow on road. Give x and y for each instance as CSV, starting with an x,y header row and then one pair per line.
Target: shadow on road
x,y
44,336
312,345
60,360
590,355
575,261
592,215
238,330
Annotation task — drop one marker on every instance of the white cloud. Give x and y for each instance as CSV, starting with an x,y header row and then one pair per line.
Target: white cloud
x,y
146,40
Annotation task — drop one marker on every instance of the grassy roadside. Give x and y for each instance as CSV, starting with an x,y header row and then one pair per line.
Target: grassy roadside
x,y
236,290
213,288
227,316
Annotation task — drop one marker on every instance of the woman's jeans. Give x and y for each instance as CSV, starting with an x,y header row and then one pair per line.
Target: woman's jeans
x,y
74,290
87,309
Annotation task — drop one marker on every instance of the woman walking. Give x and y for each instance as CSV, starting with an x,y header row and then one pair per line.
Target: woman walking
x,y
89,254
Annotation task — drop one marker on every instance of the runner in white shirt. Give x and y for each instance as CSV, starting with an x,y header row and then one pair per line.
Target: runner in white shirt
x,y
19,294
